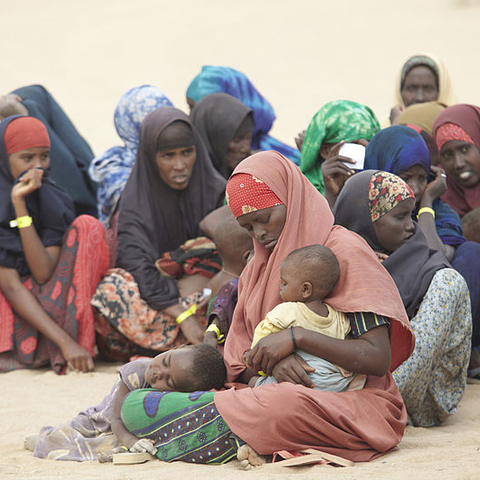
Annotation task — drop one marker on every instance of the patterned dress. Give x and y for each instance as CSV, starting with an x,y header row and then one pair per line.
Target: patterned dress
x,y
183,426
432,381
65,297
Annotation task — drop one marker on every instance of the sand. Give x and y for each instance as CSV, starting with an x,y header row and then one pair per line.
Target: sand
x,y
32,399
300,55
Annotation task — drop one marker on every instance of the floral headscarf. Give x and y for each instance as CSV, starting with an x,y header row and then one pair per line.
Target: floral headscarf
x,y
385,192
112,168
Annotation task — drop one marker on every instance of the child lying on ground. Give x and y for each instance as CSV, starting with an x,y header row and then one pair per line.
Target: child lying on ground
x,y
99,429
308,275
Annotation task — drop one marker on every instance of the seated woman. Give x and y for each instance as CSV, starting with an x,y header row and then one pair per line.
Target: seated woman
x,y
49,266
457,135
282,211
421,117
173,185
423,78
225,126
112,168
70,154
402,151
214,79
334,124
378,206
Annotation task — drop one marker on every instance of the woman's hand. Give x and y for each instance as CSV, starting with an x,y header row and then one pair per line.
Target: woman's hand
x,y
395,114
28,183
77,357
381,256
295,370
193,329
335,172
10,105
269,351
435,189
299,139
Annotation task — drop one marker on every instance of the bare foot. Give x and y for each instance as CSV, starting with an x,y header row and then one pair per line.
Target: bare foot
x,y
249,458
30,442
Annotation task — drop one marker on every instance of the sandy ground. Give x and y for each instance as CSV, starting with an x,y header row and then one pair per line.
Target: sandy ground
x,y
32,399
300,55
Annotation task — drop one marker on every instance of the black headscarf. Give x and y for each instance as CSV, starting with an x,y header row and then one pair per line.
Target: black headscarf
x,y
217,118
50,208
412,266
155,218
70,154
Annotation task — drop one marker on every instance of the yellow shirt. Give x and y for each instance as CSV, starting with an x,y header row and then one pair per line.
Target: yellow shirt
x,y
297,314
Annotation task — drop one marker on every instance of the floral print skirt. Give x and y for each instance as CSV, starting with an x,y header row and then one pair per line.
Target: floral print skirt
x,y
432,381
125,325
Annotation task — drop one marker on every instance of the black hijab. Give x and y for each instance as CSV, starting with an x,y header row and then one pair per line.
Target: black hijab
x,y
412,266
155,218
217,118
50,208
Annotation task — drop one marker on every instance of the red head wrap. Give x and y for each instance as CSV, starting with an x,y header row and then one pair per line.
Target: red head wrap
x,y
24,133
246,193
451,131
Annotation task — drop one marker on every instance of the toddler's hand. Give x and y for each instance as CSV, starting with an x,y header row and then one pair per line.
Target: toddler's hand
x,y
144,445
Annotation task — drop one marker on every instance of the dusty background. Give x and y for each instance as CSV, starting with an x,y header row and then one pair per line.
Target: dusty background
x,y
300,55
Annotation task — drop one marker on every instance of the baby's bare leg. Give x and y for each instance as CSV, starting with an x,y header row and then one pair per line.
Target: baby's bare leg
x,y
249,458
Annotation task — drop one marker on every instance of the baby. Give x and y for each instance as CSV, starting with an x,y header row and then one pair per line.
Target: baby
x,y
100,430
308,275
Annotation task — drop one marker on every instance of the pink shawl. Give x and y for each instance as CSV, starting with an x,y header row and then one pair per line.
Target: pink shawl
x,y
364,285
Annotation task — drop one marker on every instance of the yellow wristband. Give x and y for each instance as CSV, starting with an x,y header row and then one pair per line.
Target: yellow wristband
x,y
213,328
187,313
262,373
425,210
21,222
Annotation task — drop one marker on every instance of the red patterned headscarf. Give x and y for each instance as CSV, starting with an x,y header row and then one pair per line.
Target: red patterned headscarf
x,y
246,193
451,131
24,133
385,192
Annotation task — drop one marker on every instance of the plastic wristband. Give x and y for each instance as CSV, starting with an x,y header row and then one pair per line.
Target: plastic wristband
x,y
187,313
21,222
213,328
425,210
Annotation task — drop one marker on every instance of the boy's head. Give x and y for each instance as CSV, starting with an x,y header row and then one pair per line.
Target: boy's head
x,y
187,369
309,273
471,225
234,244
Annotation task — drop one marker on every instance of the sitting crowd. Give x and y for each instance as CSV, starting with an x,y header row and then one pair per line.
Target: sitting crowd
x,y
325,295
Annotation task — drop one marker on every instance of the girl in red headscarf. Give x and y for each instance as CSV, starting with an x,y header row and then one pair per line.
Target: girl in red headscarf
x,y
49,266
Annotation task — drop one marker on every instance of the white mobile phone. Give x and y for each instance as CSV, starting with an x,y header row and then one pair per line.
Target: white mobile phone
x,y
354,151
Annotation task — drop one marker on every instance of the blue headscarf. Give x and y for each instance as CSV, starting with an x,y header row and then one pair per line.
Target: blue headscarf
x,y
398,148
112,168
213,79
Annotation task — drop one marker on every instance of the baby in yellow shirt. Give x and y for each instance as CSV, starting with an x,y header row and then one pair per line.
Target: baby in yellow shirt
x,y
308,275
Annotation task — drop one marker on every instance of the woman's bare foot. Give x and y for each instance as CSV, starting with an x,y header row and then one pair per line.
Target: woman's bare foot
x,y
30,442
249,458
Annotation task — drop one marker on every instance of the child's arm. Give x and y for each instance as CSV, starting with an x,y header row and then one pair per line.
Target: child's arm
x,y
41,260
26,305
129,441
369,354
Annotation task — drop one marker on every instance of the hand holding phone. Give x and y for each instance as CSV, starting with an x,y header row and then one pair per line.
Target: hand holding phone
x,y
355,152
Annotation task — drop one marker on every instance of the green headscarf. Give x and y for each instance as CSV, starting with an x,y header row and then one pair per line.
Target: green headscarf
x,y
334,122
